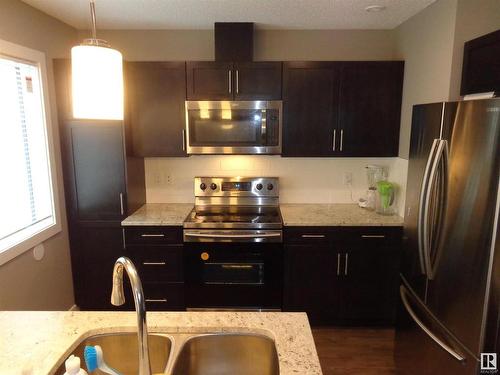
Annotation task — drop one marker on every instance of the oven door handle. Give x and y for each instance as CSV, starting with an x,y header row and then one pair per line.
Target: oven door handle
x,y
221,235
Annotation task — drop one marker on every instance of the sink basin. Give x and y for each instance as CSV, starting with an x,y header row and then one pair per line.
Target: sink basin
x,y
121,352
227,354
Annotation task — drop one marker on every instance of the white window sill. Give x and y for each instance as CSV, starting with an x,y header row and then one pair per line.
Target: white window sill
x,y
26,239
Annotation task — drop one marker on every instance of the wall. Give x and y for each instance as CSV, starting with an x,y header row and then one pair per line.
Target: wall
x,y
425,42
302,180
474,19
27,284
268,44
431,43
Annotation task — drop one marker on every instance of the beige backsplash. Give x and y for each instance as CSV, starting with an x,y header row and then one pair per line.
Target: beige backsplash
x,y
302,180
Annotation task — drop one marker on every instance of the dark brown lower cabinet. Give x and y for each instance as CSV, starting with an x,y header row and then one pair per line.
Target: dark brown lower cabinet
x,y
342,276
311,283
95,248
157,254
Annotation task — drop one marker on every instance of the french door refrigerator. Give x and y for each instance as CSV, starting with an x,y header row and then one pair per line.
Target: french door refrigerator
x,y
449,287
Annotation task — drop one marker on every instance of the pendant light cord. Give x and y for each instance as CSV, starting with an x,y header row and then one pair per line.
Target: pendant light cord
x,y
93,18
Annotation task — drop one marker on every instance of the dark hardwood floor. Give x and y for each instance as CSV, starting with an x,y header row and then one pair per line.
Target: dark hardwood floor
x,y
355,351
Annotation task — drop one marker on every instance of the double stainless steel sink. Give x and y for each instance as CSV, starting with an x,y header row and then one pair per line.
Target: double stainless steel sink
x,y
187,354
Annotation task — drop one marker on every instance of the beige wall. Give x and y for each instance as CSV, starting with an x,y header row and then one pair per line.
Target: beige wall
x,y
27,284
425,42
431,43
268,45
474,19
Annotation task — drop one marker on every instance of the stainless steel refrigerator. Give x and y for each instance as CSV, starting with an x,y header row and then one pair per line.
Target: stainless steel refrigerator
x,y
450,278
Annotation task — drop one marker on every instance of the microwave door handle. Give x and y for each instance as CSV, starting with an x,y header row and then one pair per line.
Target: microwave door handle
x,y
263,127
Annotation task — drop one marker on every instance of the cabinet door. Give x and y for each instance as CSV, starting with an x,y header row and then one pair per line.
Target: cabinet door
x,y
311,281
98,168
257,81
209,80
94,250
156,92
310,93
370,108
369,281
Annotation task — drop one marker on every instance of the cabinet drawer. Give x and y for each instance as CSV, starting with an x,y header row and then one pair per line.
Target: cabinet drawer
x,y
158,263
373,235
308,235
164,296
152,235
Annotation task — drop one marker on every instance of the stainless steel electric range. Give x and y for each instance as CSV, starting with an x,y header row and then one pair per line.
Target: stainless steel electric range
x,y
233,255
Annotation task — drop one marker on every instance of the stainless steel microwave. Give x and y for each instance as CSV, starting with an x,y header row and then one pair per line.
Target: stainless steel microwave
x,y
233,127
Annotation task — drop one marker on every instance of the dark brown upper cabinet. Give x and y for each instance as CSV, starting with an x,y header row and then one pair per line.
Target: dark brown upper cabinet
x,y
370,108
310,111
257,80
216,80
209,80
342,108
155,94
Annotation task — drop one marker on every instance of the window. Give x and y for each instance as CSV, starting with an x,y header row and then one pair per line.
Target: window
x,y
28,205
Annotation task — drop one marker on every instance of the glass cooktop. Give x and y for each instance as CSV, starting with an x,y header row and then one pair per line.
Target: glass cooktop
x,y
234,217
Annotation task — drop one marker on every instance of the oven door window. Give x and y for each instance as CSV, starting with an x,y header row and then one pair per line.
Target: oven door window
x,y
226,127
233,273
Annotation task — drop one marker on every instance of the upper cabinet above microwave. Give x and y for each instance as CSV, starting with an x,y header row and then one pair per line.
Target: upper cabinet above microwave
x,y
214,80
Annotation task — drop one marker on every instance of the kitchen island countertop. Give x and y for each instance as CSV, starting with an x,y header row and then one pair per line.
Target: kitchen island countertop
x,y
37,342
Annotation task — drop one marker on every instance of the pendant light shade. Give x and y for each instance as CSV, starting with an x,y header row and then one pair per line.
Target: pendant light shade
x,y
97,78
97,82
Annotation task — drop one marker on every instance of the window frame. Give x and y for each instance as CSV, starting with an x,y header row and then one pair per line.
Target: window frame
x,y
38,59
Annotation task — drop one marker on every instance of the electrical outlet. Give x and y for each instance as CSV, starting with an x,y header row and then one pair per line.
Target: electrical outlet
x,y
347,178
157,179
169,179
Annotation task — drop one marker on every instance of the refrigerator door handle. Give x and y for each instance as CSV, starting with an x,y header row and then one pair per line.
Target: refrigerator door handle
x,y
429,333
441,155
423,203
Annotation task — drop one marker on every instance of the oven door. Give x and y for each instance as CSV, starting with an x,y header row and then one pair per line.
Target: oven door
x,y
234,276
233,127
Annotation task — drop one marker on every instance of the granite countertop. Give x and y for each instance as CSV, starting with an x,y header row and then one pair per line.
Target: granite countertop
x,y
159,214
37,342
334,215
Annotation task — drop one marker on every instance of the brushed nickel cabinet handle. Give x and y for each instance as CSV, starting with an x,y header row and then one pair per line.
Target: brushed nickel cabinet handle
x,y
123,237
313,236
183,140
229,75
152,235
122,207
334,139
373,236
338,264
341,139
154,263
346,262
237,82
162,300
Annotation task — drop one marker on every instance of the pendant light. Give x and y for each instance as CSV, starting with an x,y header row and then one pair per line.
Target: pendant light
x,y
97,78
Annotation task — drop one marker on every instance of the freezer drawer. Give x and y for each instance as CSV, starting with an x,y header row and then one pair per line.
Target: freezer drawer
x,y
422,345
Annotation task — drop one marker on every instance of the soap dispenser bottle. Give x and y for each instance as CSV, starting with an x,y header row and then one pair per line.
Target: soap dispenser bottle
x,y
73,366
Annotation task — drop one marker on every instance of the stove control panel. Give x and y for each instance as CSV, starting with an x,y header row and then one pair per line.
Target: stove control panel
x,y
236,186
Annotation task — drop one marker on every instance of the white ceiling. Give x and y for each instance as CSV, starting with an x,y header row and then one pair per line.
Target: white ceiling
x,y
201,14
